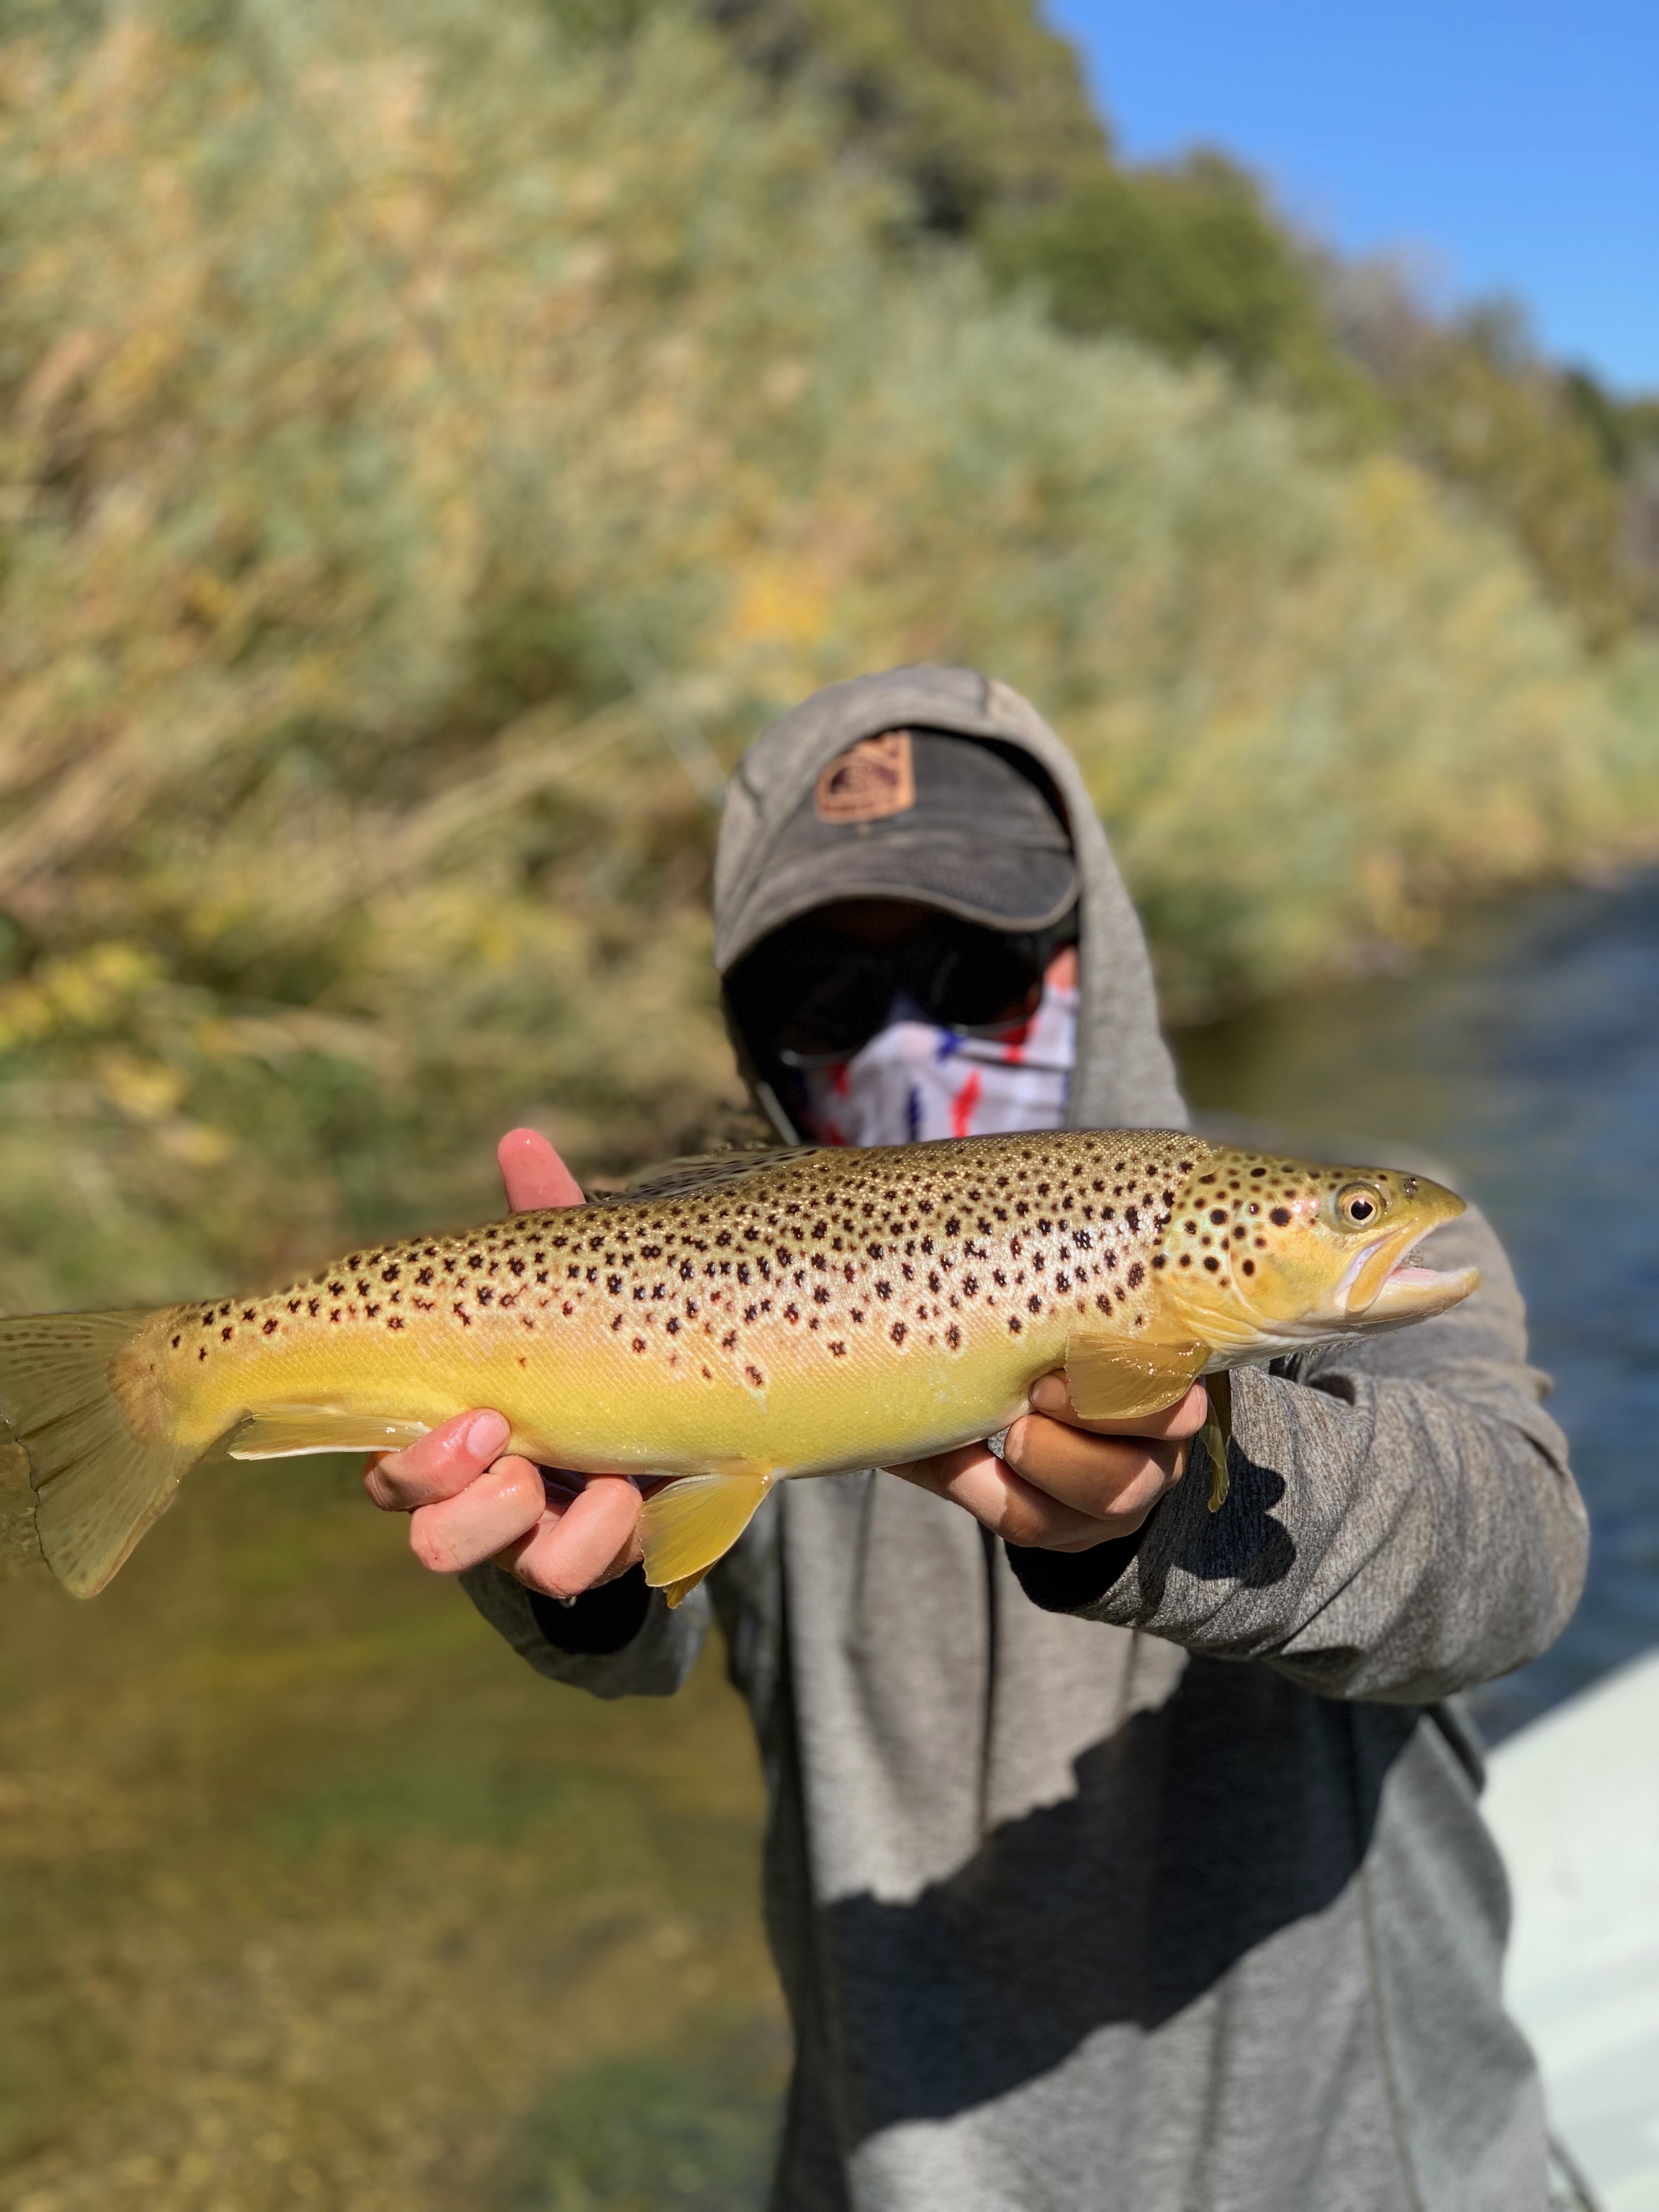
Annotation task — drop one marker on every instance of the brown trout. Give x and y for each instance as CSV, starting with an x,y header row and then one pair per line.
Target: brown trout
x,y
737,1322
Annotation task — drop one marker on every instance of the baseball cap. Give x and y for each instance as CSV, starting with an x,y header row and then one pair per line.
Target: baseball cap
x,y
925,815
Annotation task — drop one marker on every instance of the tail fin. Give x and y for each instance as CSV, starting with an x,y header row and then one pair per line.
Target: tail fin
x,y
97,1487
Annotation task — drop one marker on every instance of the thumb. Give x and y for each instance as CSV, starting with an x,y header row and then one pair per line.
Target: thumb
x,y
534,1173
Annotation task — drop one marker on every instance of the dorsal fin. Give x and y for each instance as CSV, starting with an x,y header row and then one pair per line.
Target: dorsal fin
x,y
702,1170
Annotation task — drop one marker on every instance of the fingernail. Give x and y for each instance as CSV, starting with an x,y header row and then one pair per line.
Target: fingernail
x,y
486,1436
1049,1394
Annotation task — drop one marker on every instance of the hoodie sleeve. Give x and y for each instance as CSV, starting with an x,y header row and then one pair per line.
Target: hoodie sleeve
x,y
1402,1523
619,1641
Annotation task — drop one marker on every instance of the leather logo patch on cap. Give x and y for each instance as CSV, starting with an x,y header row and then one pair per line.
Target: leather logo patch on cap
x,y
873,779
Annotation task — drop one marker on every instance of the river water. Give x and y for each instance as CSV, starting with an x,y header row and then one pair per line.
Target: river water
x,y
1524,1054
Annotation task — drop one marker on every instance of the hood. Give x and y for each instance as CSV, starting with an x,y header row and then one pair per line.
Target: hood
x,y
1125,1077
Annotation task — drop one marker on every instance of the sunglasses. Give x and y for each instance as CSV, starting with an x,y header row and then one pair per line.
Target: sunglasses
x,y
812,996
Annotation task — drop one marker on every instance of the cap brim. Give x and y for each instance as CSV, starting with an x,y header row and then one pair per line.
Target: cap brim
x,y
1002,887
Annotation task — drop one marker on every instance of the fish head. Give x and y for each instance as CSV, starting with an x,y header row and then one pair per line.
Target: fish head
x,y
1264,1250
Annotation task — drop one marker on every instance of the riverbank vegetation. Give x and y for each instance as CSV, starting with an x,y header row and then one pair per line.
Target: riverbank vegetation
x,y
438,438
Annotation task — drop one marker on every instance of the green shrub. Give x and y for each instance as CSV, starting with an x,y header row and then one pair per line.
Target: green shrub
x,y
1191,261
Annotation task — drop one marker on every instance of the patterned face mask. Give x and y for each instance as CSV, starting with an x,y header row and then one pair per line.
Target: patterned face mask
x,y
914,1081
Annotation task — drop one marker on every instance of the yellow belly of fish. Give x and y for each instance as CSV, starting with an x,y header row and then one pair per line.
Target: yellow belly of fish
x,y
592,1404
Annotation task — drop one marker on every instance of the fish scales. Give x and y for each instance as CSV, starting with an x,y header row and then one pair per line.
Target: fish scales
x,y
743,1321
648,1334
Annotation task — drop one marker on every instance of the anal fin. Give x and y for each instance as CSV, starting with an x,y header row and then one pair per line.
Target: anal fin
x,y
691,1522
1115,1378
290,1432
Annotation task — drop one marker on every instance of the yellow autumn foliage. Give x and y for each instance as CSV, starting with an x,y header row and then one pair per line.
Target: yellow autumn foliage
x,y
434,445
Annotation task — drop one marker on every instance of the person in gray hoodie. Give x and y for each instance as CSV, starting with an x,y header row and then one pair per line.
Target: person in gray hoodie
x,y
1120,1856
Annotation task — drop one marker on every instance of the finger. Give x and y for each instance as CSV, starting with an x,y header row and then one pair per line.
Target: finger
x,y
577,1546
1005,1502
438,1465
1109,1478
1050,1395
502,1504
534,1173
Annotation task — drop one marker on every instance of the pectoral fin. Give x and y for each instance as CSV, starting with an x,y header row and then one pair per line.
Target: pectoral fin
x,y
1112,1378
289,1431
691,1524
1217,1433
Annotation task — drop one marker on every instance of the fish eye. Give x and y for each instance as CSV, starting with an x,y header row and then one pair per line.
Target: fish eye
x,y
1358,1204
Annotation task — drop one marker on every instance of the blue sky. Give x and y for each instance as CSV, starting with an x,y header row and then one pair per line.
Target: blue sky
x,y
1504,149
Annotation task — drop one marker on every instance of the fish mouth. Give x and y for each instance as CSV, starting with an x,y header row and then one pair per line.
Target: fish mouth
x,y
1374,1294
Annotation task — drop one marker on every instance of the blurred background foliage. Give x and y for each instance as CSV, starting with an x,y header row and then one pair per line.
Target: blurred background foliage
x,y
436,438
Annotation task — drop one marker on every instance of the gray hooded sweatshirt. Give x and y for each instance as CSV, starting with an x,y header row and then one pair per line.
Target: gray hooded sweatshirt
x,y
1150,1879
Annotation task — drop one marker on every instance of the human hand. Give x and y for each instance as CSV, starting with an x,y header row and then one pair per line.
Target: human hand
x,y
558,1534
1064,1484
